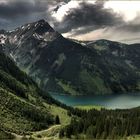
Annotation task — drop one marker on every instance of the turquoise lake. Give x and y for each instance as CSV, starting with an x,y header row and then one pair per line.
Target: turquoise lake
x,y
120,101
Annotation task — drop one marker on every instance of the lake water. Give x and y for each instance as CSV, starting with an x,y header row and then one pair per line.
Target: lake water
x,y
121,101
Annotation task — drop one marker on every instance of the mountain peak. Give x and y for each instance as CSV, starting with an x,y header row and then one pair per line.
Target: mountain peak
x,y
41,21
39,30
42,26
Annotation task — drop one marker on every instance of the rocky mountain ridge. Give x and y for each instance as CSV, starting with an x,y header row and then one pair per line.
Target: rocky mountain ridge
x,y
62,65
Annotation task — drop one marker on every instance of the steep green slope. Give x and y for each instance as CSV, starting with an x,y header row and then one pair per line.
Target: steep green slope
x,y
5,135
23,107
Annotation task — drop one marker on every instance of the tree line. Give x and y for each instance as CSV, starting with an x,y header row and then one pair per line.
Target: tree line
x,y
104,124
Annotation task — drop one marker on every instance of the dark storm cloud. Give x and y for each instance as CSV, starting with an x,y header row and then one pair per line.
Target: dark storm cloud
x,y
13,9
13,13
16,12
82,19
89,15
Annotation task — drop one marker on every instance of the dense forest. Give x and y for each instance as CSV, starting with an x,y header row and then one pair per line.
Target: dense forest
x,y
103,124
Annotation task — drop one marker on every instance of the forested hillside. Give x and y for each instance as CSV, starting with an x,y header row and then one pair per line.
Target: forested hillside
x,y
104,124
23,107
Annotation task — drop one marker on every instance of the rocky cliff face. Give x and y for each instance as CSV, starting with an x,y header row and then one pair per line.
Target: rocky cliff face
x,y
62,65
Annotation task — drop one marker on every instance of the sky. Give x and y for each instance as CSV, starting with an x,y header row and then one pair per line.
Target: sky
x,y
117,20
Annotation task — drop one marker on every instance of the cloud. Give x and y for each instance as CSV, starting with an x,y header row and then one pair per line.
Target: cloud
x,y
128,8
131,26
81,19
101,20
89,15
60,12
14,9
125,33
13,13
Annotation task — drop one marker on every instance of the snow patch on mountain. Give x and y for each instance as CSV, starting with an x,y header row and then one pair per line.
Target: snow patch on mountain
x,y
11,55
23,27
46,37
37,36
3,39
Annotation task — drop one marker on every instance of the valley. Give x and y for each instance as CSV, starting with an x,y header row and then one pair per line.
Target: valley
x,y
53,87
69,69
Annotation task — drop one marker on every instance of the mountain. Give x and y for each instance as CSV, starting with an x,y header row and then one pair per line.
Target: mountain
x,y
23,106
62,65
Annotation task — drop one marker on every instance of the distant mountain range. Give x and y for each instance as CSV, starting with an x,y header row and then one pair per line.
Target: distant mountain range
x,y
62,65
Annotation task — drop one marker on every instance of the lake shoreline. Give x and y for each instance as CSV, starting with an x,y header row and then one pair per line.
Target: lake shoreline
x,y
65,94
117,101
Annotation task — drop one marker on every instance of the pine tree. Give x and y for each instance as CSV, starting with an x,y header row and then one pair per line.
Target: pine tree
x,y
61,133
57,120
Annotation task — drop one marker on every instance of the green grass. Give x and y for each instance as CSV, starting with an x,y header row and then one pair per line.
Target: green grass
x,y
135,137
68,88
88,107
49,134
14,113
93,83
5,135
53,132
62,113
